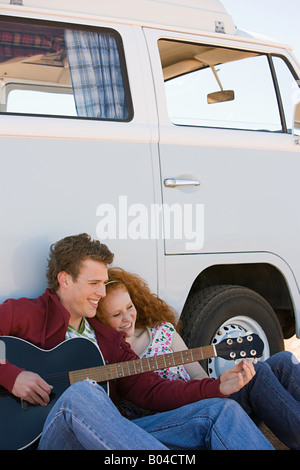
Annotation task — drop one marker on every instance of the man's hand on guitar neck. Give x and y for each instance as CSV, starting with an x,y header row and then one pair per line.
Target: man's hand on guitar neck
x,y
32,388
232,380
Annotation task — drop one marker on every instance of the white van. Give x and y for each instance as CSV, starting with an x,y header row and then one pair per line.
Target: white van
x,y
160,128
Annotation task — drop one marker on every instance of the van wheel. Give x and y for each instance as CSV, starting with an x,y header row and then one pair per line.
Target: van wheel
x,y
210,315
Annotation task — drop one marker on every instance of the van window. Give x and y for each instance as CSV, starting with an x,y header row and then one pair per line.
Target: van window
x,y
219,87
62,71
39,99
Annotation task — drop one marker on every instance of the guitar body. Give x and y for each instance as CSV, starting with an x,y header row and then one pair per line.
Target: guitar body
x,y
22,424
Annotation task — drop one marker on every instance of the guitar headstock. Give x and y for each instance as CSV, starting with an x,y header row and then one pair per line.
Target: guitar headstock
x,y
240,347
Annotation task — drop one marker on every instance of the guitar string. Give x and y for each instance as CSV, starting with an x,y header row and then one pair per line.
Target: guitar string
x,y
55,378
82,374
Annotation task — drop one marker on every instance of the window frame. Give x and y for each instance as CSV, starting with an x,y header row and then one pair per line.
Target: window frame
x,y
259,52
79,27
274,74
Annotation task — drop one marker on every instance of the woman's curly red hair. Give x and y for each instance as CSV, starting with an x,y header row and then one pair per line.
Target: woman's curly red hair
x,y
151,310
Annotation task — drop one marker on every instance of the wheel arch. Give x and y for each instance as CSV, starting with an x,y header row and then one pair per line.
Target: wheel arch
x,y
263,278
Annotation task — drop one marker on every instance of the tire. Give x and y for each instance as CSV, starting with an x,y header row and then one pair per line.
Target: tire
x,y
211,314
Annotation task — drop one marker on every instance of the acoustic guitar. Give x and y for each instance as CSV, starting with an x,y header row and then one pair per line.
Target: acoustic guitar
x,y
77,359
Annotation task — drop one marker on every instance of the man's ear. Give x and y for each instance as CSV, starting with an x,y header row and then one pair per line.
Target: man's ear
x,y
63,279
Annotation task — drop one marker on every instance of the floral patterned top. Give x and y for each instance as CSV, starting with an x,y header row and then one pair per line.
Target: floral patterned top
x,y
161,343
161,338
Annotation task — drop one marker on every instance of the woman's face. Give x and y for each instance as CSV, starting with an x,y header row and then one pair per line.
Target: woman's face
x,y
118,311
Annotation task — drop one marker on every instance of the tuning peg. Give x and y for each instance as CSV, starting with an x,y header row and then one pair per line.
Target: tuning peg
x,y
255,360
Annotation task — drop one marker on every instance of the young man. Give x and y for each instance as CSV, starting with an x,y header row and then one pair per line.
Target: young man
x,y
192,414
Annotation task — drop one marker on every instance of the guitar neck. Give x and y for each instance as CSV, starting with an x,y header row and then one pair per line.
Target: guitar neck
x,y
109,372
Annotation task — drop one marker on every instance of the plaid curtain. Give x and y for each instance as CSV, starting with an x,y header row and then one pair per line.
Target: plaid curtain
x,y
96,74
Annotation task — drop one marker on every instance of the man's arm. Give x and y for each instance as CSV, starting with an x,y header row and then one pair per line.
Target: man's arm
x,y
32,388
23,384
8,372
154,393
232,380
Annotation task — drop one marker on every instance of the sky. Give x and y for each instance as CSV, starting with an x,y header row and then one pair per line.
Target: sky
x,y
278,19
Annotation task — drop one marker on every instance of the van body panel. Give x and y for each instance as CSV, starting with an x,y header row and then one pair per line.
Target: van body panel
x,y
60,174
175,295
201,15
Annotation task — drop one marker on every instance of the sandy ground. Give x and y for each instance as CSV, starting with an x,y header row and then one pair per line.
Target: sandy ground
x,y
293,345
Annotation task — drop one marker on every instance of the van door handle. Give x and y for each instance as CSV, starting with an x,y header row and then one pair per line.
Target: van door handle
x,y
174,182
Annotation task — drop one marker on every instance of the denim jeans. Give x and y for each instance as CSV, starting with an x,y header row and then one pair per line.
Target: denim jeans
x,y
84,417
273,395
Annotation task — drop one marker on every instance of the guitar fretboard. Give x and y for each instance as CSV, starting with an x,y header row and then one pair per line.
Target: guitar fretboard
x,y
109,372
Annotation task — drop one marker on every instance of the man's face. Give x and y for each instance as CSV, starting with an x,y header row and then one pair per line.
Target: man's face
x,y
81,297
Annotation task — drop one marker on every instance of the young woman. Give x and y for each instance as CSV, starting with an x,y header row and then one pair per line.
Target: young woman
x,y
148,322
272,395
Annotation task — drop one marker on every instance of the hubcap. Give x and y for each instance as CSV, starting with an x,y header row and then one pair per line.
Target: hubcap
x,y
233,327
